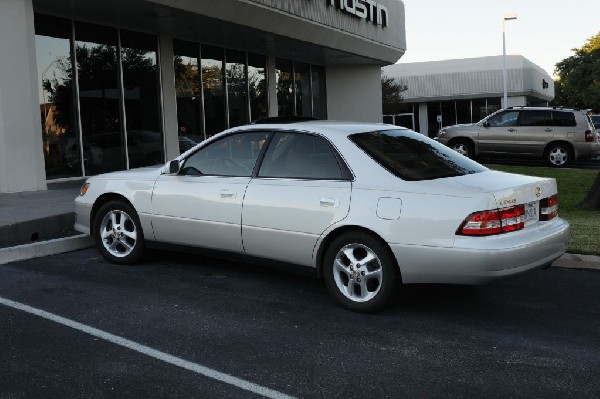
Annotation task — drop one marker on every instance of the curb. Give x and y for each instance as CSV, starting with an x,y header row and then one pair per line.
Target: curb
x,y
45,248
576,261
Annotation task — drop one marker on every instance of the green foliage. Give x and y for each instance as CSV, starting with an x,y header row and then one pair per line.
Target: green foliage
x,y
391,92
579,77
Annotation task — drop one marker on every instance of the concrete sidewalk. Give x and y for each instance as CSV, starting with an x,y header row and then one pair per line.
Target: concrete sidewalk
x,y
40,223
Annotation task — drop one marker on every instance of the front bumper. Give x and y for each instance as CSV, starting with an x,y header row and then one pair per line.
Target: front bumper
x,y
481,260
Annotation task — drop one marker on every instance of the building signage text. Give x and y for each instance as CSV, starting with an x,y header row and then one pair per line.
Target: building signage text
x,y
364,9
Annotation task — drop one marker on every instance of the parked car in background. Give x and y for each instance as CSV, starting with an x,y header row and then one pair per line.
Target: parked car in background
x,y
366,206
596,121
558,135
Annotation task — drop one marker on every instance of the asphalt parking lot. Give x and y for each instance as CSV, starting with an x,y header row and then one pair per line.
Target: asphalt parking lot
x,y
182,325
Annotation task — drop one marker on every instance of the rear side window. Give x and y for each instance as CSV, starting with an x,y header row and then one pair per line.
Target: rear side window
x,y
563,118
412,156
536,118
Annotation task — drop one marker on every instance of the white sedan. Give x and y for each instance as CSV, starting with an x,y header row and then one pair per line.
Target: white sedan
x,y
367,206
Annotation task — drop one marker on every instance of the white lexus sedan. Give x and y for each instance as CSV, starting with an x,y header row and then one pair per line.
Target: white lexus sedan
x,y
367,206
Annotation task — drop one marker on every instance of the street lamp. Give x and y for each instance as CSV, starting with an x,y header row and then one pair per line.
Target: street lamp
x,y
505,17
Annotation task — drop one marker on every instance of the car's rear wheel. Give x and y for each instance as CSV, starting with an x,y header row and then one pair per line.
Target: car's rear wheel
x,y
463,147
118,233
360,272
558,154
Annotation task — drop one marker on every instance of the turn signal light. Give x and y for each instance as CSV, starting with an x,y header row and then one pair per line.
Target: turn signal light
x,y
486,223
549,207
84,189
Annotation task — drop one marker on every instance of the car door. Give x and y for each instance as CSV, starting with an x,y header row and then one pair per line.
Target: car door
x,y
498,132
202,204
302,188
535,130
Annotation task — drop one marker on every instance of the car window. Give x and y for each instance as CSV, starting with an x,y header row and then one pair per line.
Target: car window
x,y
300,156
563,118
536,118
502,119
233,155
412,156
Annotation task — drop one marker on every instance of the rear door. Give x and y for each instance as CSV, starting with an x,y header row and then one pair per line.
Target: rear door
x,y
300,190
536,129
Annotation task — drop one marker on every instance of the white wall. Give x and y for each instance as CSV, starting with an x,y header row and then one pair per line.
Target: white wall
x,y
354,93
516,101
21,156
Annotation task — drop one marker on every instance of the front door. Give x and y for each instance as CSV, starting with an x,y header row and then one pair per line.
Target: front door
x,y
499,133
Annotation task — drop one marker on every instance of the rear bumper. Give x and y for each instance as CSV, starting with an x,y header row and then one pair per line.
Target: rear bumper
x,y
481,260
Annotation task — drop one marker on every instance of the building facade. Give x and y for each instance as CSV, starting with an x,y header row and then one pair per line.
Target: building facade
x,y
449,92
93,87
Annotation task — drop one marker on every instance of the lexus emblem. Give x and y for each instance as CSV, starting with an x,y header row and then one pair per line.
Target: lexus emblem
x,y
538,192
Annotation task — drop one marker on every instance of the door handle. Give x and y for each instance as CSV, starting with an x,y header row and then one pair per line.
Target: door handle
x,y
227,194
511,130
329,202
547,129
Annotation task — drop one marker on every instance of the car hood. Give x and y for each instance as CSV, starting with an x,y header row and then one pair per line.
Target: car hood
x,y
464,126
146,173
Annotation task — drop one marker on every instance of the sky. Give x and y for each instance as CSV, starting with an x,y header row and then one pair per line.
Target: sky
x,y
545,31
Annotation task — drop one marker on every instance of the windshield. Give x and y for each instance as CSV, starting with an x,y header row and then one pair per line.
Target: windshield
x,y
412,156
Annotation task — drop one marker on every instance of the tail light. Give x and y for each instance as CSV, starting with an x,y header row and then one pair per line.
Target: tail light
x,y
589,136
486,223
549,208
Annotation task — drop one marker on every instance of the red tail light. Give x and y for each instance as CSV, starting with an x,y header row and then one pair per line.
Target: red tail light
x,y
549,208
498,221
589,136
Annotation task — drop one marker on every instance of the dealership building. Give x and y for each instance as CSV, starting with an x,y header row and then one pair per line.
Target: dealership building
x,y
449,92
88,87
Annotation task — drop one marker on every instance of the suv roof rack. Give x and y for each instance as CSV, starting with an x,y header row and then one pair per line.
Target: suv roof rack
x,y
545,106
283,119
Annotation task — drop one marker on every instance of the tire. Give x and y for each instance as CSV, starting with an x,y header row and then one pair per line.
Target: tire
x,y
358,286
118,233
463,147
558,155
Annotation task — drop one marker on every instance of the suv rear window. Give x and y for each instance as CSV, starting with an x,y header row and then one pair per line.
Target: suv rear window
x,y
412,156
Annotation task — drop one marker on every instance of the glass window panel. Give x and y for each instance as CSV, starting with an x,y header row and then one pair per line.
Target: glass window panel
x,y
535,118
493,105
302,156
234,155
142,101
285,87
433,111
56,97
479,109
463,111
504,119
319,93
187,89
448,113
237,89
96,48
214,94
303,99
257,83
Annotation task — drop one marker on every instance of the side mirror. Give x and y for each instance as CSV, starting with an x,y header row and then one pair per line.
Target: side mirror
x,y
486,124
174,167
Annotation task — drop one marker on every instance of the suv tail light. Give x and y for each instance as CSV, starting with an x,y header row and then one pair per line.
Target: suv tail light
x,y
549,208
486,223
589,136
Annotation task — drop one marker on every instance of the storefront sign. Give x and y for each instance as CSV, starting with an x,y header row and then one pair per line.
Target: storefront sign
x,y
364,9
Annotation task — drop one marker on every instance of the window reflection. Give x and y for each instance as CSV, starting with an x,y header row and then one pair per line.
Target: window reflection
x,y
99,91
57,111
237,89
141,95
285,89
212,83
257,84
302,80
187,89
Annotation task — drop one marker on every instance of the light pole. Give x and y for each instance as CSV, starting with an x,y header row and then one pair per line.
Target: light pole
x,y
505,17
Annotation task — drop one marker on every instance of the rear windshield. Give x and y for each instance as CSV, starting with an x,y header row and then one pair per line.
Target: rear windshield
x,y
412,156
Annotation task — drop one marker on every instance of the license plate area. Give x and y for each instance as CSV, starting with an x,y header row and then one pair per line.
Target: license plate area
x,y
532,212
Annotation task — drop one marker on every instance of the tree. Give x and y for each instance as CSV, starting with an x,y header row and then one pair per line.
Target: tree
x,y
391,93
578,82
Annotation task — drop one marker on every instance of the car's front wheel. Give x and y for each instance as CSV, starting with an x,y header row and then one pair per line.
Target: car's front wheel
x,y
360,272
118,233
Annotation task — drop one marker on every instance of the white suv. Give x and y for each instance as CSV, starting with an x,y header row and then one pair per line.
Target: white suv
x,y
557,134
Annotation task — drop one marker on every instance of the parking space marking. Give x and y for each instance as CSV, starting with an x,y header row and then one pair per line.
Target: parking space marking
x,y
156,354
